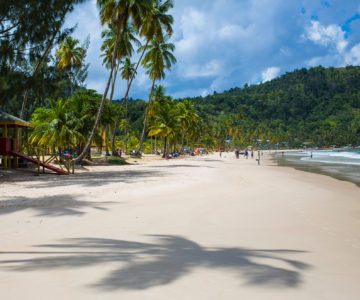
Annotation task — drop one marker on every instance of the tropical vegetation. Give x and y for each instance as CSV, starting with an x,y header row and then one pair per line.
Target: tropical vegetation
x,y
43,71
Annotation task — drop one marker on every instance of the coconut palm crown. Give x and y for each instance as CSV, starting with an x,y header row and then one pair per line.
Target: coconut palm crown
x,y
69,55
158,58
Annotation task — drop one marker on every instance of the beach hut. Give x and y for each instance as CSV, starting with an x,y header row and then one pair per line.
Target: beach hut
x,y
9,126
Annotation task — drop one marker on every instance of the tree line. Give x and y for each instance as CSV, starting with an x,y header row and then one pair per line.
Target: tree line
x,y
317,107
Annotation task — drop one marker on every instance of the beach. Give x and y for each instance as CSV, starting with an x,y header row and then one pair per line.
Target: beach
x,y
205,227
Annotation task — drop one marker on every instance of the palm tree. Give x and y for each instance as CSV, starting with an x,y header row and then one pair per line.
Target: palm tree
x,y
188,117
118,12
166,124
57,127
158,59
125,48
70,56
127,71
154,26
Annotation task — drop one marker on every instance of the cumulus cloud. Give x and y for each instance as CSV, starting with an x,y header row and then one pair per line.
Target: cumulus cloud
x,y
332,37
270,73
326,35
353,56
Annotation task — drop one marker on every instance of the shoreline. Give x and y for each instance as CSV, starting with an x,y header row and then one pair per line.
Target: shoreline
x,y
315,169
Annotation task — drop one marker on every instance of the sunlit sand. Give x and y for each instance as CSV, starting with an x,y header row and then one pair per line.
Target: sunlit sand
x,y
194,228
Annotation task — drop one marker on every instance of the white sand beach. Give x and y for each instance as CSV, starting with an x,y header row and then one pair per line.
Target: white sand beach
x,y
195,228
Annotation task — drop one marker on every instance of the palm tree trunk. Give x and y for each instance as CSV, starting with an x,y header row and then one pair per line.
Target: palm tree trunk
x,y
98,117
113,150
133,75
39,63
165,140
110,101
146,118
107,153
114,81
182,141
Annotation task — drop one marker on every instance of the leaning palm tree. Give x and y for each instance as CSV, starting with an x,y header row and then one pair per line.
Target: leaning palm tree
x,y
158,59
154,26
118,12
124,48
70,56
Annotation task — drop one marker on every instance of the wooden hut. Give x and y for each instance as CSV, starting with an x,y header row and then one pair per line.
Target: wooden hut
x,y
9,126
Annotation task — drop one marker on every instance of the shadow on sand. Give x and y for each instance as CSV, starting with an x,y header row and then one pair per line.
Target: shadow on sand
x,y
94,178
138,265
88,179
52,206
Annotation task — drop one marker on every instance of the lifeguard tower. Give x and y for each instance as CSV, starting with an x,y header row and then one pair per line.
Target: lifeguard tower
x,y
9,126
10,152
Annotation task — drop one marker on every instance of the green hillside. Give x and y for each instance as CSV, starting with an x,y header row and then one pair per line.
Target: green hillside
x,y
317,106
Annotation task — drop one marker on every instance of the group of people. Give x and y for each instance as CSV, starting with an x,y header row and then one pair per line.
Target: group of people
x,y
248,153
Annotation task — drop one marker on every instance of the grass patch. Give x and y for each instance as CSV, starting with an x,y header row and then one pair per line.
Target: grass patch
x,y
117,161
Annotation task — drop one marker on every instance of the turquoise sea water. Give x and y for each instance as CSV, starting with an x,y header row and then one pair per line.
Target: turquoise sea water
x,y
341,164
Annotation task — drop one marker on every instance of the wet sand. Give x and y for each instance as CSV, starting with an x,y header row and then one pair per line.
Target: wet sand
x,y
195,228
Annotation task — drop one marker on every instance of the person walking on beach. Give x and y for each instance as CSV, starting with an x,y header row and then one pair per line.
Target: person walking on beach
x,y
310,154
258,159
246,154
252,154
237,153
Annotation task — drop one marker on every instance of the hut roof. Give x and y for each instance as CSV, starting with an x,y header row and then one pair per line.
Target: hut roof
x,y
12,121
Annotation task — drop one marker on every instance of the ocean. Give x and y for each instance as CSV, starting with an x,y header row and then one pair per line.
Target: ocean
x,y
340,164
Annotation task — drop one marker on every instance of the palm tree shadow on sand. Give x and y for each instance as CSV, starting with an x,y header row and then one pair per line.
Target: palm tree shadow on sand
x,y
144,265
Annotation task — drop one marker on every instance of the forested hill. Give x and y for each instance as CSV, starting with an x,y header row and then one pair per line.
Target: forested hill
x,y
319,105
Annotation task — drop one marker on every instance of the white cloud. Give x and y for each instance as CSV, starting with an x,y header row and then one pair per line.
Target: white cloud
x,y
353,56
212,68
334,37
331,35
270,73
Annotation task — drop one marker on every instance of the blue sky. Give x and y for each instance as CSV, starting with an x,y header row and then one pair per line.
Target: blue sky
x,y
222,44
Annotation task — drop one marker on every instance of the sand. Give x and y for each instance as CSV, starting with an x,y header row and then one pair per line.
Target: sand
x,y
195,228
